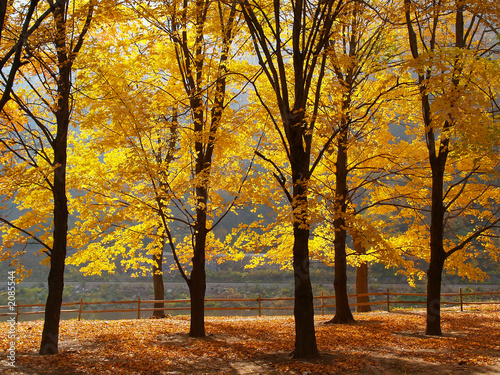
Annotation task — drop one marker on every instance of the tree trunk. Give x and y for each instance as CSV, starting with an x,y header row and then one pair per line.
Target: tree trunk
x,y
362,288
197,283
50,333
158,287
433,320
361,275
438,146
343,313
438,255
437,158
305,336
197,287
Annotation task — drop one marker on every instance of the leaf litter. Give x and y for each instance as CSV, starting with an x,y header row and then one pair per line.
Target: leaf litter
x,y
378,343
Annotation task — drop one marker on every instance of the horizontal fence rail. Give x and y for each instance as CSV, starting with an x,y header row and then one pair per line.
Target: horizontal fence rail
x,y
259,304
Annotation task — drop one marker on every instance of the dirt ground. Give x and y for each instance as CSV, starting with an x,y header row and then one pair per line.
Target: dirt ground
x,y
378,343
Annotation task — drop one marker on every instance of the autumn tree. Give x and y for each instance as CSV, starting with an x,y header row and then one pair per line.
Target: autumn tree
x,y
203,66
34,140
289,42
168,176
127,140
362,84
454,57
121,204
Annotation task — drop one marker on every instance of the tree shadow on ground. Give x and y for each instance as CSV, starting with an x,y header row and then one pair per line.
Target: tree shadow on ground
x,y
373,364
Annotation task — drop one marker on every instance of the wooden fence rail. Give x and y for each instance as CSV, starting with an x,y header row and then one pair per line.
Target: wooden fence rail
x,y
259,304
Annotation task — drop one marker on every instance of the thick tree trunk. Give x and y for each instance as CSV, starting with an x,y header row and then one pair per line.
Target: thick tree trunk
x,y
433,321
343,313
305,336
197,288
158,287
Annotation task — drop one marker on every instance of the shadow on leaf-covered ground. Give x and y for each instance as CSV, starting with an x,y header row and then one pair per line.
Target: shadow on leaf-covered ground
x,y
378,343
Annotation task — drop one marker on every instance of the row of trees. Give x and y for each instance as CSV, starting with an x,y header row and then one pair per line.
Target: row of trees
x,y
372,120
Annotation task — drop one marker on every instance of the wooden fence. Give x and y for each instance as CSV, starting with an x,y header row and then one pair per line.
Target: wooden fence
x,y
258,304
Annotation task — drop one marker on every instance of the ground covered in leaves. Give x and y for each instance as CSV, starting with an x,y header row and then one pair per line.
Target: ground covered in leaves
x,y
378,343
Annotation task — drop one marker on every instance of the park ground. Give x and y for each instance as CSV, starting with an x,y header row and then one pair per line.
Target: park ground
x,y
378,343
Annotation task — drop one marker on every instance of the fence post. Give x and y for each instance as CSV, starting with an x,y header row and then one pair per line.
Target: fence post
x,y
461,300
138,307
17,312
388,301
80,310
260,306
322,303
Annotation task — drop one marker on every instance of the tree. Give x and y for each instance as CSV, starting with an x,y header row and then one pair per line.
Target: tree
x,y
361,84
36,139
453,48
153,201
186,27
125,197
289,42
127,142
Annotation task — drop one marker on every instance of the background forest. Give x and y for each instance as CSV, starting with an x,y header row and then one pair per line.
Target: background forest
x,y
142,138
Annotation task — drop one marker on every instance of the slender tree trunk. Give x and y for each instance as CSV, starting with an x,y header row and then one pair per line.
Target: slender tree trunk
x,y
343,313
438,255
438,146
197,283
437,158
361,275
62,110
362,288
50,333
158,287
